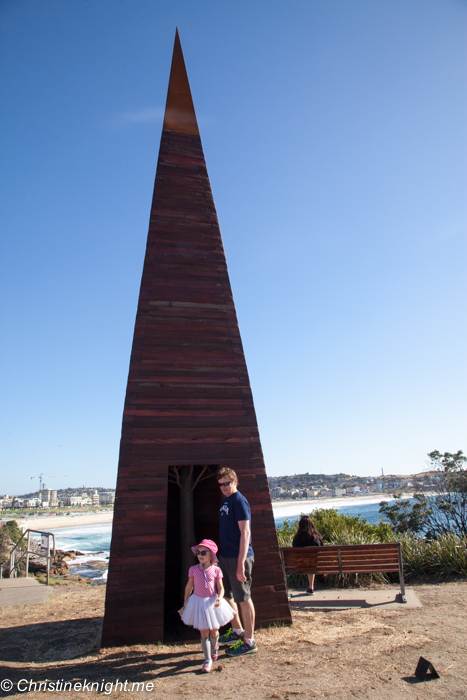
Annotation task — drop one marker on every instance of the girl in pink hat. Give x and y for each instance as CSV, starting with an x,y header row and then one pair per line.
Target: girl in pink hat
x,y
206,610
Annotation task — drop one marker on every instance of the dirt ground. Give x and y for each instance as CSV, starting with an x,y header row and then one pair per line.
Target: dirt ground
x,y
342,654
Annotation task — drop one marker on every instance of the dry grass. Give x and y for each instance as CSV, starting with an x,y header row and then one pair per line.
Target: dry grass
x,y
340,654
315,629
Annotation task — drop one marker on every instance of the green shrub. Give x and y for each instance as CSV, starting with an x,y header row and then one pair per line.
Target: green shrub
x,y
349,529
413,556
338,529
449,554
286,532
14,532
9,536
441,558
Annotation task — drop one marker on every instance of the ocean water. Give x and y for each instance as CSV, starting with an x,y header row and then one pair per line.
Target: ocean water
x,y
84,538
368,511
94,540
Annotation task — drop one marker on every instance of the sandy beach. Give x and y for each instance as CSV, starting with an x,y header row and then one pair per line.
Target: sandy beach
x,y
51,522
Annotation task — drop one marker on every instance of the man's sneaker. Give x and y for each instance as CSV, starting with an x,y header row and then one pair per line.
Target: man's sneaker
x,y
230,637
241,647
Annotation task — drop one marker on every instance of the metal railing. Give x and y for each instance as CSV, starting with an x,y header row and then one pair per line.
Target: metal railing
x,y
16,560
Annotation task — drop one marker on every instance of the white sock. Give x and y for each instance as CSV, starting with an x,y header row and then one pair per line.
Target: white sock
x,y
240,631
214,645
250,642
206,647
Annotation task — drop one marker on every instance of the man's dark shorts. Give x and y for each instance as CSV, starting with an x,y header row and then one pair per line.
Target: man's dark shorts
x,y
238,590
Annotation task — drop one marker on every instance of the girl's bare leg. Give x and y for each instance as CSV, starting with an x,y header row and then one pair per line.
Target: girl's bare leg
x,y
311,581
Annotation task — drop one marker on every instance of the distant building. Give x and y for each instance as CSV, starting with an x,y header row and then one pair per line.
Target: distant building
x,y
77,501
48,498
107,497
312,493
95,498
31,502
393,484
339,492
5,501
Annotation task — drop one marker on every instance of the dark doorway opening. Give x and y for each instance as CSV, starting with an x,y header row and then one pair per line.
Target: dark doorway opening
x,y
206,503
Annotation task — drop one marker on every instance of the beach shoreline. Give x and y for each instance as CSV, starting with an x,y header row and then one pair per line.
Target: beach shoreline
x,y
46,523
307,506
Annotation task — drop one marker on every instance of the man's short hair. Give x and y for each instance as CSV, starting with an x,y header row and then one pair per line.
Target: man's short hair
x,y
226,471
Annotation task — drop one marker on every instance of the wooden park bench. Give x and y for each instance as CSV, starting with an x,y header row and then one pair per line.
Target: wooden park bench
x,y
345,559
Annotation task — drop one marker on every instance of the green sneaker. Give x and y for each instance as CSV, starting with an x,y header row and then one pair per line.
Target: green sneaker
x,y
230,636
241,647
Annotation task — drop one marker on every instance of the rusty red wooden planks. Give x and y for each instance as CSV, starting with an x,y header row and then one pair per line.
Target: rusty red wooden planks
x,y
188,399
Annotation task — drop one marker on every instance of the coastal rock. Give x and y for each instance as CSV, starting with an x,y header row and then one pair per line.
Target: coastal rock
x,y
58,565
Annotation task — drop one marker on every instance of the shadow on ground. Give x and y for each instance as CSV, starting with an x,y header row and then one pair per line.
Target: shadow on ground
x,y
53,643
50,641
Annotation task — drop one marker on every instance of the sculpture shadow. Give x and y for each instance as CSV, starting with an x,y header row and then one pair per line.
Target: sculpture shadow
x,y
413,679
52,643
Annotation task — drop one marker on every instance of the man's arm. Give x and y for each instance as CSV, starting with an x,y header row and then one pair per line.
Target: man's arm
x,y
244,526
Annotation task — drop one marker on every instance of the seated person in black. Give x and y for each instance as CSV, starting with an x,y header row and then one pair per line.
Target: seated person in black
x,y
307,536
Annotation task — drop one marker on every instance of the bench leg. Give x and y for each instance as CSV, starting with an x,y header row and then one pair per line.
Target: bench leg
x,y
401,573
285,576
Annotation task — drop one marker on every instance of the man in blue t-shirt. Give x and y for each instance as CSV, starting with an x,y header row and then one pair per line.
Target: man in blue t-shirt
x,y
236,561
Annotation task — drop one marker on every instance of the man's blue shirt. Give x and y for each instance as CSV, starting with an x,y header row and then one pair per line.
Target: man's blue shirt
x,y
233,509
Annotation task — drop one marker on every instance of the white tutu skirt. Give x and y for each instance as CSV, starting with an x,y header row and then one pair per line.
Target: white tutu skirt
x,y
201,614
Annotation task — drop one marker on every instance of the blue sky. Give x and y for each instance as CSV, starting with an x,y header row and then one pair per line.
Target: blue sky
x,y
335,138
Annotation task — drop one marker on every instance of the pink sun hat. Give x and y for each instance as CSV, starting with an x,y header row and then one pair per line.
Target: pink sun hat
x,y
210,545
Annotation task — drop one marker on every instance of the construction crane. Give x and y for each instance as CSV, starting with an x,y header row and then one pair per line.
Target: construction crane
x,y
41,479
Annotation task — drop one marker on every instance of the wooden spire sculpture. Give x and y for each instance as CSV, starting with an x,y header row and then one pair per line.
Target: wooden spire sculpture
x,y
188,407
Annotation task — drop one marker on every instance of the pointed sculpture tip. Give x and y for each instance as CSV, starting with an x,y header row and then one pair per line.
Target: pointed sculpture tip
x,y
179,110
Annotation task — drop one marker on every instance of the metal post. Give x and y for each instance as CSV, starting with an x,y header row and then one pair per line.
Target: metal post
x,y
401,572
27,554
48,558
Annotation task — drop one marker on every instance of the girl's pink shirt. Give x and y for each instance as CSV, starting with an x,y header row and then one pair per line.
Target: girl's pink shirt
x,y
205,580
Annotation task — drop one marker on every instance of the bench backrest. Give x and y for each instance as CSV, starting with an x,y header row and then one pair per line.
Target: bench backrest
x,y
345,559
